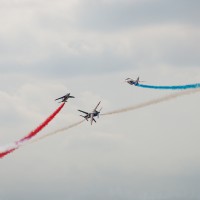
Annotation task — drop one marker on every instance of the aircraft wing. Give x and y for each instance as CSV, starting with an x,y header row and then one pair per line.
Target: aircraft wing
x,y
83,112
97,105
65,96
59,98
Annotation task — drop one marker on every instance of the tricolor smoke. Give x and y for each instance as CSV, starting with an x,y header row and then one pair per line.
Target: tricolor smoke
x,y
33,133
154,101
20,142
173,87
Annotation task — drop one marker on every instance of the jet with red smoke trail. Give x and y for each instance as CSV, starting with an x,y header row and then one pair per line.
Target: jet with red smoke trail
x,y
17,144
64,98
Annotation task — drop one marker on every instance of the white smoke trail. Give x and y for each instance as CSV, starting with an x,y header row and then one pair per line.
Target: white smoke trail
x,y
154,101
59,130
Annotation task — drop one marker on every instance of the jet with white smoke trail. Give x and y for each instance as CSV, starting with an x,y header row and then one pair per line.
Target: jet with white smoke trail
x,y
92,114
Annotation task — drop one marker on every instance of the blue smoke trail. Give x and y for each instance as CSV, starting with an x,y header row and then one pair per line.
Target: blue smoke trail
x,y
173,87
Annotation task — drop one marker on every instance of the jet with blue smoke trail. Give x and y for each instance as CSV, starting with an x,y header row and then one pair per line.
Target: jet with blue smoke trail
x,y
167,87
132,81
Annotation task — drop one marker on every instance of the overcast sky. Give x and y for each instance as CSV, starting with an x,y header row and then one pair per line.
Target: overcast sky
x,y
88,48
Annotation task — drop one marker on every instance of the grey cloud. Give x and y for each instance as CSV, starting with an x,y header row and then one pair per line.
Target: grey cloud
x,y
131,156
68,65
98,182
119,15
42,41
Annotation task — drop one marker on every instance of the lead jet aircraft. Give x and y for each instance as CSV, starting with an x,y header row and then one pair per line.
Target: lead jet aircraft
x,y
64,98
91,115
133,82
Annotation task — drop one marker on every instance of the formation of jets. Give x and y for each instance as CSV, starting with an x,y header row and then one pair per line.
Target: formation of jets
x,y
95,112
90,115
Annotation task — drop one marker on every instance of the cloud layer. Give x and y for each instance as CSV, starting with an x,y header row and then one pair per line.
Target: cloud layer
x,y
105,36
48,48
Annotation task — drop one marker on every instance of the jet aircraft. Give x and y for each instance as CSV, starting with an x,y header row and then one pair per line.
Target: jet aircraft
x,y
65,98
133,82
91,115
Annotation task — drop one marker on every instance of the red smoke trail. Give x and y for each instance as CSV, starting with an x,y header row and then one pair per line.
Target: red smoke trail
x,y
2,154
32,133
39,128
